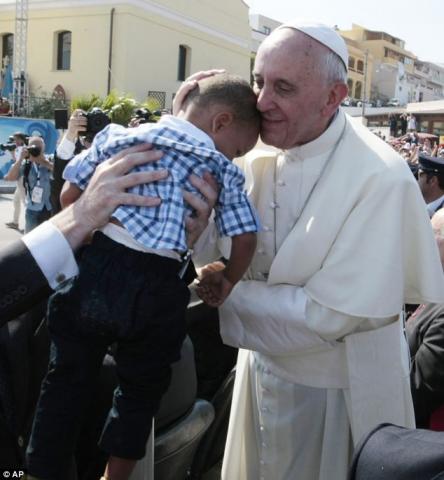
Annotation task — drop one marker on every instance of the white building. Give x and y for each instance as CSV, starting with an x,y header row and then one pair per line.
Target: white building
x,y
261,27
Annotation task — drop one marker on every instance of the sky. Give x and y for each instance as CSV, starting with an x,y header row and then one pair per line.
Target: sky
x,y
420,23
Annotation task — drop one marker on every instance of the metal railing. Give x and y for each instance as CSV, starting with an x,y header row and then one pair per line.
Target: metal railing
x,y
33,106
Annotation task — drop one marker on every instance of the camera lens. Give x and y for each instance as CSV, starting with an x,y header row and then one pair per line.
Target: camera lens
x,y
34,150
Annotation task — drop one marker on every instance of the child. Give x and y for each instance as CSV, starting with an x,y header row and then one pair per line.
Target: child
x,y
128,289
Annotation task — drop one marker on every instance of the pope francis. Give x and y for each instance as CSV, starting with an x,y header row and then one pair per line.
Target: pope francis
x,y
345,242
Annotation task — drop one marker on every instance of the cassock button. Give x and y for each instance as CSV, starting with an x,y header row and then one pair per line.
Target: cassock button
x,y
60,278
261,251
281,183
273,205
266,229
20,441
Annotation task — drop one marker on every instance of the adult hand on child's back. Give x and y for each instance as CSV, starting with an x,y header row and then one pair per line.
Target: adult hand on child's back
x,y
107,190
197,223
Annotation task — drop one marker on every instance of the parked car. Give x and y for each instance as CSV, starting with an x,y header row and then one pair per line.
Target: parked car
x,y
367,104
393,102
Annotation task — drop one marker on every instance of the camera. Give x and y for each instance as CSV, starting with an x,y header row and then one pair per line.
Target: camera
x,y
10,147
97,120
34,150
144,115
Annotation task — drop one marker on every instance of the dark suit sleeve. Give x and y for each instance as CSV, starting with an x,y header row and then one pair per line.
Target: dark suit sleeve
x,y
427,373
22,283
57,182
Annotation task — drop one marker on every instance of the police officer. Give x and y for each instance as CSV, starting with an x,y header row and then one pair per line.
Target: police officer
x,y
431,181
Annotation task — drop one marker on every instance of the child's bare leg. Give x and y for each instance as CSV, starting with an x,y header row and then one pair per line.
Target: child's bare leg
x,y
119,468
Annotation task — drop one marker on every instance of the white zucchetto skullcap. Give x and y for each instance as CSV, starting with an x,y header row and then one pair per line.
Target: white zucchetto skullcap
x,y
323,34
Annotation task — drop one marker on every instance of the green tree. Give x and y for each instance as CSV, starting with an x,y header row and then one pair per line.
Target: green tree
x,y
119,107
86,102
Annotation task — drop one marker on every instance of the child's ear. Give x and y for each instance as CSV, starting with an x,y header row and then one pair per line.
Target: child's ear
x,y
221,120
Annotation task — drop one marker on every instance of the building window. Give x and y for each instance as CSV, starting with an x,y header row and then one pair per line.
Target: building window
x,y
267,30
358,90
351,63
424,126
350,87
7,46
63,50
183,66
437,128
360,67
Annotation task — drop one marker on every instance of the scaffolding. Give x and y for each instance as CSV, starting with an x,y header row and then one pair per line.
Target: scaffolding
x,y
20,103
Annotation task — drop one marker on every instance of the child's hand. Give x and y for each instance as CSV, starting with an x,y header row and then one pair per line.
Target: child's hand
x,y
214,288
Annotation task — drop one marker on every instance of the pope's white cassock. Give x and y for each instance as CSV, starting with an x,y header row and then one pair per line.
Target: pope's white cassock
x,y
345,242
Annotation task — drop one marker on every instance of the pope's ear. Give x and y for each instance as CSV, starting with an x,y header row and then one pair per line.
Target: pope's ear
x,y
338,91
221,120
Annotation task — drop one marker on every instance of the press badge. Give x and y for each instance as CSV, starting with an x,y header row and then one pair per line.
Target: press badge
x,y
37,194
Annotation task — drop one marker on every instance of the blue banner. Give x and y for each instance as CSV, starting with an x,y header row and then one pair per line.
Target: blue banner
x,y
28,126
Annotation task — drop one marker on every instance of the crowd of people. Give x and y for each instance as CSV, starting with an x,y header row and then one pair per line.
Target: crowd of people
x,y
310,270
412,144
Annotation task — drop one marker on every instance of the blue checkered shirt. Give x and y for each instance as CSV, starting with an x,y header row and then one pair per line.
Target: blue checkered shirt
x,y
186,150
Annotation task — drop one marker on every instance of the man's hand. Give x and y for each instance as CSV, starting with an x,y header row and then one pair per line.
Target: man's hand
x,y
23,154
106,191
196,224
134,122
76,124
189,84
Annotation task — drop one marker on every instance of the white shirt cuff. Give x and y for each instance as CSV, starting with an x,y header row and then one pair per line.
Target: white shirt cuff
x,y
52,253
65,149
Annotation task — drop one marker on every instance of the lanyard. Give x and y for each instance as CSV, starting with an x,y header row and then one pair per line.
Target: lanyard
x,y
37,172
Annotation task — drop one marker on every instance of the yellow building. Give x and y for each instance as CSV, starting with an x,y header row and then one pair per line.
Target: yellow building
x,y
141,47
392,63
382,46
360,66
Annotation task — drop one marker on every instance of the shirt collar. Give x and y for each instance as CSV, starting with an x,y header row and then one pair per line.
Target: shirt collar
x,y
324,142
432,206
185,126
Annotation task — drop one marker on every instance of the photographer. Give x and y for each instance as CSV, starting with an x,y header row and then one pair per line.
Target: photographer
x,y
143,115
71,144
79,135
15,148
35,170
